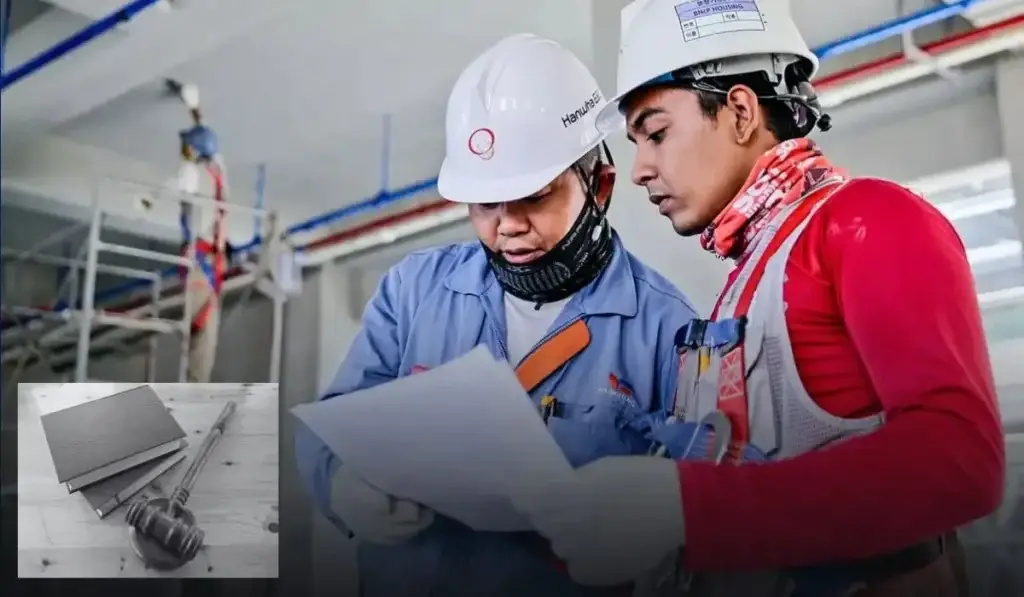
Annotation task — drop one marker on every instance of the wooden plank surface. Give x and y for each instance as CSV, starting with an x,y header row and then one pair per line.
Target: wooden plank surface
x,y
235,499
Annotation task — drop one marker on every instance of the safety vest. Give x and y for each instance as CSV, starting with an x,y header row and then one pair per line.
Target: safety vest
x,y
741,363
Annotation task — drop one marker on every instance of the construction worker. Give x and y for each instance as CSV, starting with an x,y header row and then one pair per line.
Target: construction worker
x,y
199,150
548,286
845,363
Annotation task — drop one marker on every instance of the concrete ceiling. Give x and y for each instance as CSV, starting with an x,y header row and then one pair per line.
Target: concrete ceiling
x,y
304,86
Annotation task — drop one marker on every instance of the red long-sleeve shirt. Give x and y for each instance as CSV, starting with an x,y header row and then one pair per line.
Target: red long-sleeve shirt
x,y
883,316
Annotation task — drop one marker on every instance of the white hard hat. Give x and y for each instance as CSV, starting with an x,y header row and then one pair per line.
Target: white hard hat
x,y
712,37
519,115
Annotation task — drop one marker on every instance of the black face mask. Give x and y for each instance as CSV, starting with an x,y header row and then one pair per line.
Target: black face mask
x,y
577,259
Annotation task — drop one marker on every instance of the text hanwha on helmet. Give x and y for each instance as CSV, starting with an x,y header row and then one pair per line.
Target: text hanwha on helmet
x,y
481,143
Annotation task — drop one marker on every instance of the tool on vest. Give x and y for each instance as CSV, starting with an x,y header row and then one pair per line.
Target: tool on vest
x,y
702,333
163,531
680,440
702,336
548,405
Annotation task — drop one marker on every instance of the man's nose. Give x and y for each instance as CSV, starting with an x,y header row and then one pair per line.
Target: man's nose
x,y
643,171
513,219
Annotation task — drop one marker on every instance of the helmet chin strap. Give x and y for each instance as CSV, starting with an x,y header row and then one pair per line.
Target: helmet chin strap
x,y
575,261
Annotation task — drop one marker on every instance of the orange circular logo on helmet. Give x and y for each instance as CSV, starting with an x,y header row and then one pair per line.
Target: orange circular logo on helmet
x,y
481,143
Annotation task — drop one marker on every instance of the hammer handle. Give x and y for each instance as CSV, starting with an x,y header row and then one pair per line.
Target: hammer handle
x,y
184,488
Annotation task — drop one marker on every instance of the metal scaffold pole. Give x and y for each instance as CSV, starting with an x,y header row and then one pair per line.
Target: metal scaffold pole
x,y
36,334
85,317
154,340
186,316
277,336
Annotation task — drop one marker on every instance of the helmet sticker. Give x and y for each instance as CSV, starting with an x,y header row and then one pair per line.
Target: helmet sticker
x,y
481,143
702,18
577,115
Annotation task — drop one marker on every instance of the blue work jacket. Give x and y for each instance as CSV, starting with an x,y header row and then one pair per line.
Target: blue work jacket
x,y
437,305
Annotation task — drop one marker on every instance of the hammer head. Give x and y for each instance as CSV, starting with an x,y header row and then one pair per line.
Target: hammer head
x,y
163,534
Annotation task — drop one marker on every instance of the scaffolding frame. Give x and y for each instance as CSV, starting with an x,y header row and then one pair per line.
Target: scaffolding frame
x,y
81,284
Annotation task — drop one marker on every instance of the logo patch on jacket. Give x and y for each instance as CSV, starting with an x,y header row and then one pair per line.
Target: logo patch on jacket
x,y
619,385
418,369
619,388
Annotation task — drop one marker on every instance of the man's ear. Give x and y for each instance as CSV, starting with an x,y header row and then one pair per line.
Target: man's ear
x,y
605,183
743,103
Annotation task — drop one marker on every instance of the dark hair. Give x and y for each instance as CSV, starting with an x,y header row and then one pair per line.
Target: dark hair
x,y
779,116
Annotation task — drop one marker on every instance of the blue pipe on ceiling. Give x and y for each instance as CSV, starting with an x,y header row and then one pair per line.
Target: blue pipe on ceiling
x,y
379,200
847,44
77,40
897,26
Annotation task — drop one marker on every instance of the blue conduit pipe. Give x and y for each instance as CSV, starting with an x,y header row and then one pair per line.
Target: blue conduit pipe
x,y
89,33
379,200
847,44
261,185
897,26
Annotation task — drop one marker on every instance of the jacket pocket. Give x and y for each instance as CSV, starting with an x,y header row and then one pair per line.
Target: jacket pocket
x,y
594,428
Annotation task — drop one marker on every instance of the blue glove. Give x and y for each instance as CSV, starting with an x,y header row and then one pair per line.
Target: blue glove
x,y
693,441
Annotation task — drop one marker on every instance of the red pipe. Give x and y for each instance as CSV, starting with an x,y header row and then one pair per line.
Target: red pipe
x,y
397,218
895,60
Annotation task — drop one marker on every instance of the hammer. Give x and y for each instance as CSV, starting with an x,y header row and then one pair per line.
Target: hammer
x,y
163,531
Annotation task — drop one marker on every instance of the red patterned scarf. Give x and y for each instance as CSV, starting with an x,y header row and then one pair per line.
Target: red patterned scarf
x,y
780,177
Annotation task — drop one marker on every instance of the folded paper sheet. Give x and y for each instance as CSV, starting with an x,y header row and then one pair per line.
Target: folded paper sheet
x,y
458,439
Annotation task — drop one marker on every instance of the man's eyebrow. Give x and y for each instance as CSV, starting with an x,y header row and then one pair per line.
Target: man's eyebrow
x,y
640,119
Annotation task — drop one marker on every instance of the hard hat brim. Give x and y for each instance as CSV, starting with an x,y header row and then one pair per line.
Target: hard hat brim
x,y
458,188
610,118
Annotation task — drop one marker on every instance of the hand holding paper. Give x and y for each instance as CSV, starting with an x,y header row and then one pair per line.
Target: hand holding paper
x,y
373,515
612,521
459,439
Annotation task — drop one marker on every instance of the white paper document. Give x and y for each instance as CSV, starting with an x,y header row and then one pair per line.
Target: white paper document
x,y
459,439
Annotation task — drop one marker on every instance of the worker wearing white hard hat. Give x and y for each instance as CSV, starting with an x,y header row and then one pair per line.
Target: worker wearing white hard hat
x,y
849,322
546,286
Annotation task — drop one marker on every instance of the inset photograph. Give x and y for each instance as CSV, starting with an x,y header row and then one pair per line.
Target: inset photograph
x,y
158,480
